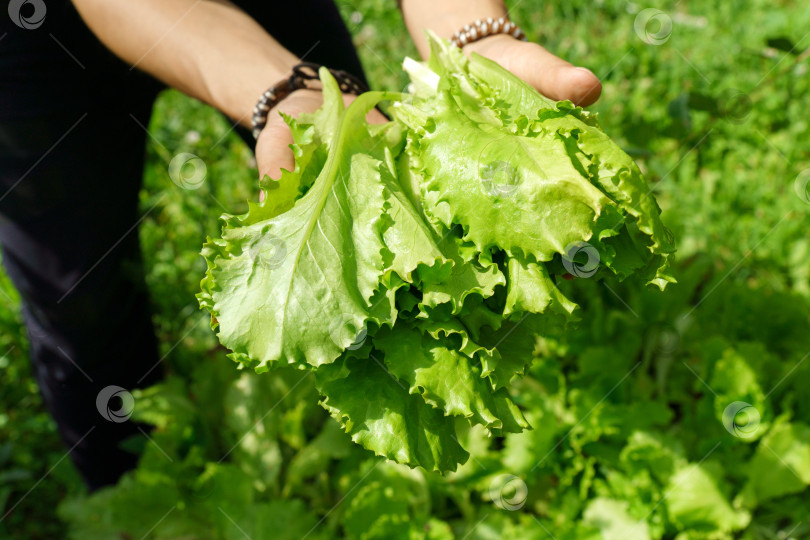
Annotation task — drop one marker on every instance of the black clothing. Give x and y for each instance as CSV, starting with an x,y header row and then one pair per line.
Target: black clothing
x,y
71,161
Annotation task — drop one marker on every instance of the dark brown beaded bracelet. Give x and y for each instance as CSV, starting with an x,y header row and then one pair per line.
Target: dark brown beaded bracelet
x,y
301,73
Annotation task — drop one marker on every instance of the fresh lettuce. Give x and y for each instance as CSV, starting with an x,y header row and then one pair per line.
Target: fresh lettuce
x,y
412,266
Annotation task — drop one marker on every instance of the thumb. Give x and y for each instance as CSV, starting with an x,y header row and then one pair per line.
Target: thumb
x,y
273,151
556,78
550,75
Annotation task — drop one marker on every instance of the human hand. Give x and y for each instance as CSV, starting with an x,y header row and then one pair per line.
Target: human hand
x,y
273,151
551,76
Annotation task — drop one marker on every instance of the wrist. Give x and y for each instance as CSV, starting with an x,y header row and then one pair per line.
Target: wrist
x,y
304,75
445,17
240,95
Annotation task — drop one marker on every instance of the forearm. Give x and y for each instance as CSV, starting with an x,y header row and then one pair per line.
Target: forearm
x,y
445,17
211,50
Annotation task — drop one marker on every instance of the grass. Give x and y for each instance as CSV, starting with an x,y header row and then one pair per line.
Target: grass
x,y
716,116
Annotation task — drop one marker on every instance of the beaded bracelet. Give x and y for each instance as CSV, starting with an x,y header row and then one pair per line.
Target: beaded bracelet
x,y
486,27
301,73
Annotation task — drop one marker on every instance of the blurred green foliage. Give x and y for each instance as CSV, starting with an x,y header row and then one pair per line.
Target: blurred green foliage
x,y
628,410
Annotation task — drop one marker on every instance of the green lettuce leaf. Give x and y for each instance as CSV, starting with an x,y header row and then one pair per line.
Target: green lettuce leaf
x,y
694,500
447,378
273,282
529,176
780,465
380,414
413,266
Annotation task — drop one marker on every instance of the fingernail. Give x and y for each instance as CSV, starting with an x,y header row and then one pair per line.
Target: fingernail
x,y
586,70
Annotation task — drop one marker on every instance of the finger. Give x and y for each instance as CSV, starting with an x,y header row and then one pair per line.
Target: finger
x,y
554,77
274,145
376,117
276,138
